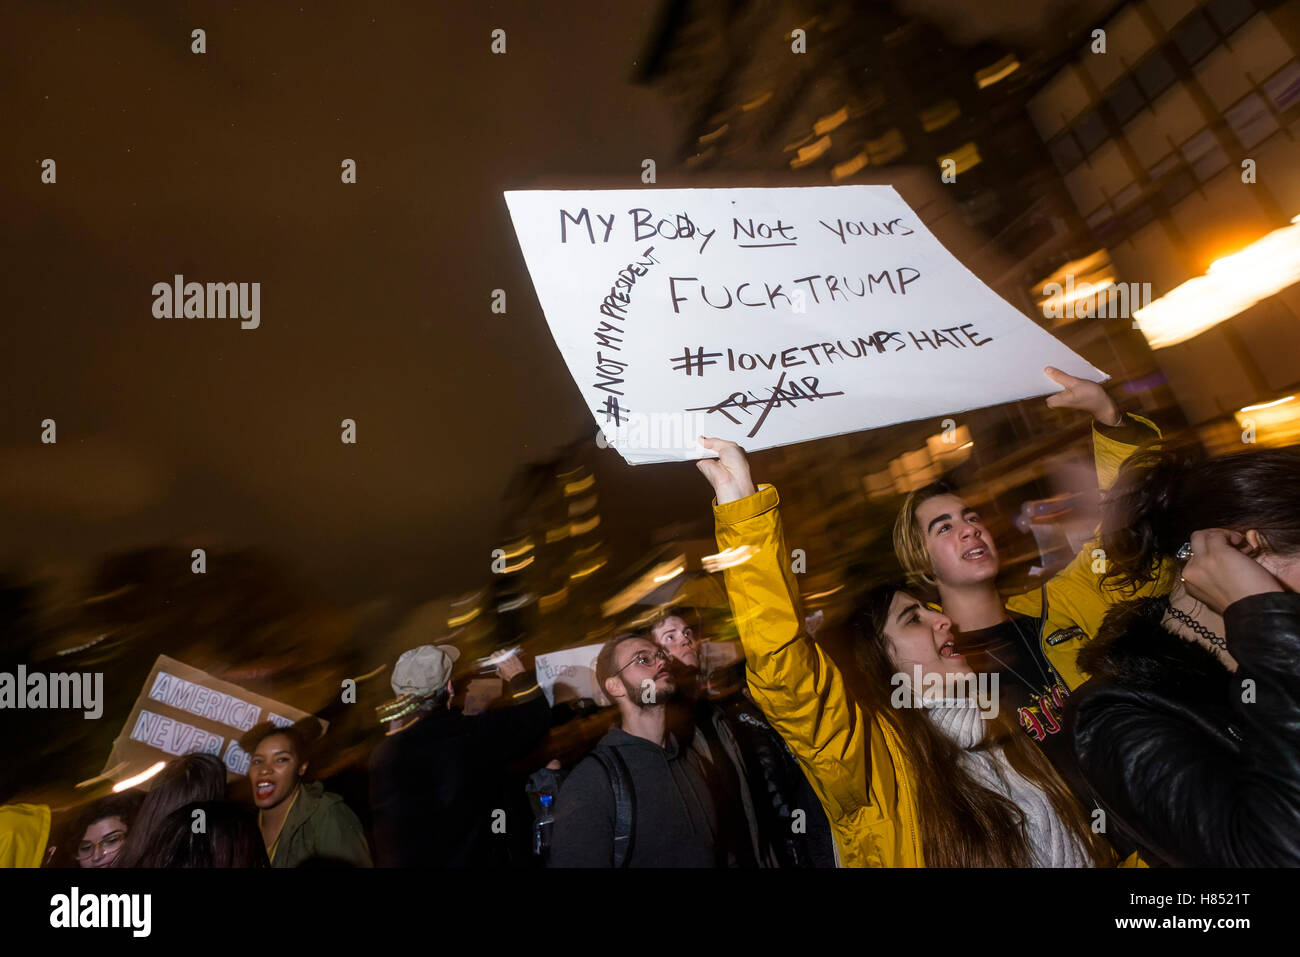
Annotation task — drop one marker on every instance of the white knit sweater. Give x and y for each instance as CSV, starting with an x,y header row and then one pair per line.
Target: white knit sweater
x,y
1049,841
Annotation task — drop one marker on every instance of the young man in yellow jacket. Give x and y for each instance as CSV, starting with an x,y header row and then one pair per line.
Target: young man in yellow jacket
x,y
856,762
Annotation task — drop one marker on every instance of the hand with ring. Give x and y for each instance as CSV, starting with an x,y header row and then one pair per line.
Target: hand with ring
x,y
1220,569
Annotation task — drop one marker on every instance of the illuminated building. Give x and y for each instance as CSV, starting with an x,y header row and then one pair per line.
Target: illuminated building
x,y
883,96
1178,146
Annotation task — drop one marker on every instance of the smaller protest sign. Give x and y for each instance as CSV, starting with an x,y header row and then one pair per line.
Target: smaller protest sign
x,y
570,674
481,693
182,710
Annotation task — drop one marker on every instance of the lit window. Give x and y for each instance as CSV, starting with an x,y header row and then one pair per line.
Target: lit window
x,y
809,153
887,148
850,166
939,115
828,123
967,156
997,71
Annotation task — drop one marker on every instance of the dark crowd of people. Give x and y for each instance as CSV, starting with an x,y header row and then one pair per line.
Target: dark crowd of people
x,y
1140,708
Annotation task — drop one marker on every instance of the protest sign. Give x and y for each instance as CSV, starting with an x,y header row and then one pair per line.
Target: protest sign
x,y
181,710
768,316
570,674
480,694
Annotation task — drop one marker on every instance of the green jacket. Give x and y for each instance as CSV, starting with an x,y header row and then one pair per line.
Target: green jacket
x,y
320,826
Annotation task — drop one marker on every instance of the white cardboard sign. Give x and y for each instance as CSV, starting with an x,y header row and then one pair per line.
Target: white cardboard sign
x,y
182,709
569,674
768,316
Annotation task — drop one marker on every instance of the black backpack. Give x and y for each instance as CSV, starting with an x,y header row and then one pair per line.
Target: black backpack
x,y
620,781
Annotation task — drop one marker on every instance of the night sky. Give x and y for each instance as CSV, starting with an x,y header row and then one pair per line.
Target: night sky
x,y
225,167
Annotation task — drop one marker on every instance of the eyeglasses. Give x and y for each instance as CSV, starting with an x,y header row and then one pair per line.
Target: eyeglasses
x,y
111,842
645,658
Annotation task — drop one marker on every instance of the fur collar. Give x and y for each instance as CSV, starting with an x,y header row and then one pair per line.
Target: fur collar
x,y
1134,650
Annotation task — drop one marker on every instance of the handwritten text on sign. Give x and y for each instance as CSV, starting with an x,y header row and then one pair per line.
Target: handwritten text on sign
x,y
768,316
181,710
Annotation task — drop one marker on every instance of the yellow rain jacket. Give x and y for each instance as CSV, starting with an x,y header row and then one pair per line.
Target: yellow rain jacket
x,y
24,833
856,762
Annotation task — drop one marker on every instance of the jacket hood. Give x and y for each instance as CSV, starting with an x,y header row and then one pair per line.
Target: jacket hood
x,y
1133,649
616,737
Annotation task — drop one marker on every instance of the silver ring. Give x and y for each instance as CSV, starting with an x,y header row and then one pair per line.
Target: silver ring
x,y
1185,553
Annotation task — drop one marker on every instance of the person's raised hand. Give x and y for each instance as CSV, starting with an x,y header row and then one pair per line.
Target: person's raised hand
x,y
510,666
1084,395
729,472
1221,570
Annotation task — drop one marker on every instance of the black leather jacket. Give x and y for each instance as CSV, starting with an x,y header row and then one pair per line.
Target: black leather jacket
x,y
1199,766
779,790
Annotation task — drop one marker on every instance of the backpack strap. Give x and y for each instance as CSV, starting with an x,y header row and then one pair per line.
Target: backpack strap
x,y
620,781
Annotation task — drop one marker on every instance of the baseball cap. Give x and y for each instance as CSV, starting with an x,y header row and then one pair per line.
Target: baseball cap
x,y
424,670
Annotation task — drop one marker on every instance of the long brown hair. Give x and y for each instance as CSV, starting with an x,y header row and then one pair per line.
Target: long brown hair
x,y
963,823
189,778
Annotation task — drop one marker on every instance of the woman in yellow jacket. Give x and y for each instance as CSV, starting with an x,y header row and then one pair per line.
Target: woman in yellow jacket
x,y
975,793
864,775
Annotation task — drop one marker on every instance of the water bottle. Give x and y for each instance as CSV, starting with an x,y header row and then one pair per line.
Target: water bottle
x,y
542,830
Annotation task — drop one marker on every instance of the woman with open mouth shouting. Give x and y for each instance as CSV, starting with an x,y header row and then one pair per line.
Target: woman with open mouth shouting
x,y
300,821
